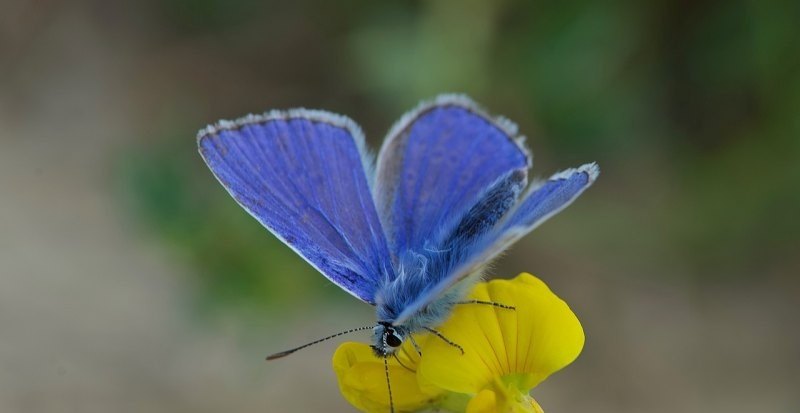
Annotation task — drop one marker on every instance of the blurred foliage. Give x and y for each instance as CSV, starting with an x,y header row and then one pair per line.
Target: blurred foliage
x,y
237,260
691,108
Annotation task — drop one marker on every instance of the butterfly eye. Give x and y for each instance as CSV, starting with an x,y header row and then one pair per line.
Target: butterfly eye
x,y
393,340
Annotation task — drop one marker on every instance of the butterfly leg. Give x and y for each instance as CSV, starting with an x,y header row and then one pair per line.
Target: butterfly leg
x,y
492,303
401,363
438,334
416,346
388,383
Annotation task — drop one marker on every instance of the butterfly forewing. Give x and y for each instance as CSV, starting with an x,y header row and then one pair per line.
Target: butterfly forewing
x,y
301,174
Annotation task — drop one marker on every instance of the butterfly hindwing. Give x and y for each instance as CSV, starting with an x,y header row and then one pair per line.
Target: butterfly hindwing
x,y
539,204
435,162
545,200
302,175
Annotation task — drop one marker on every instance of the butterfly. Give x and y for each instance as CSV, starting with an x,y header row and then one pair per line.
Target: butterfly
x,y
409,232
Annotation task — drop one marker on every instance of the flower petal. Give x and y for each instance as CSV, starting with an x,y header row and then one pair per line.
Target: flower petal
x,y
522,346
362,380
483,402
502,398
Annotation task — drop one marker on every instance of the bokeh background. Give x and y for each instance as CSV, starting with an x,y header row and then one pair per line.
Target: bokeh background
x,y
131,282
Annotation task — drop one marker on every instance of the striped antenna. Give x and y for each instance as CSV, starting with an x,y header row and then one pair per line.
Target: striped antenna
x,y
287,352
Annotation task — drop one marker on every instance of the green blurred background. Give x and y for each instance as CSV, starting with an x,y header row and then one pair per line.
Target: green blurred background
x,y
130,281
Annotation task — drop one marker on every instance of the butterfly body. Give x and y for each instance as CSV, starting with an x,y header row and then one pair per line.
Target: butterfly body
x,y
409,234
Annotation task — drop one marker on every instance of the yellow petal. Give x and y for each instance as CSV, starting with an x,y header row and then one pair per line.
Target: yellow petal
x,y
362,380
483,402
500,397
521,346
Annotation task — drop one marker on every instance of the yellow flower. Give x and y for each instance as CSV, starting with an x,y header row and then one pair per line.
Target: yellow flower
x,y
506,353
504,350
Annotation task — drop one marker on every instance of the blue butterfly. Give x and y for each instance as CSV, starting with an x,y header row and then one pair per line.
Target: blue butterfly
x,y
409,233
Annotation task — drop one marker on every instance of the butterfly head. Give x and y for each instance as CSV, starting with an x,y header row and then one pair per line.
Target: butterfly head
x,y
387,338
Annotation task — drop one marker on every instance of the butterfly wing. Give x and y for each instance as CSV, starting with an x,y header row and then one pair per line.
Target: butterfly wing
x,y
302,175
545,200
435,161
539,204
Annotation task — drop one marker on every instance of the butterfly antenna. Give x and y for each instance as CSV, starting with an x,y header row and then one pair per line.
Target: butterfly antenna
x,y
287,352
388,383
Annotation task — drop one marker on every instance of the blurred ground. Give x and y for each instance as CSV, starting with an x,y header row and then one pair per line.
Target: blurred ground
x,y
129,282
